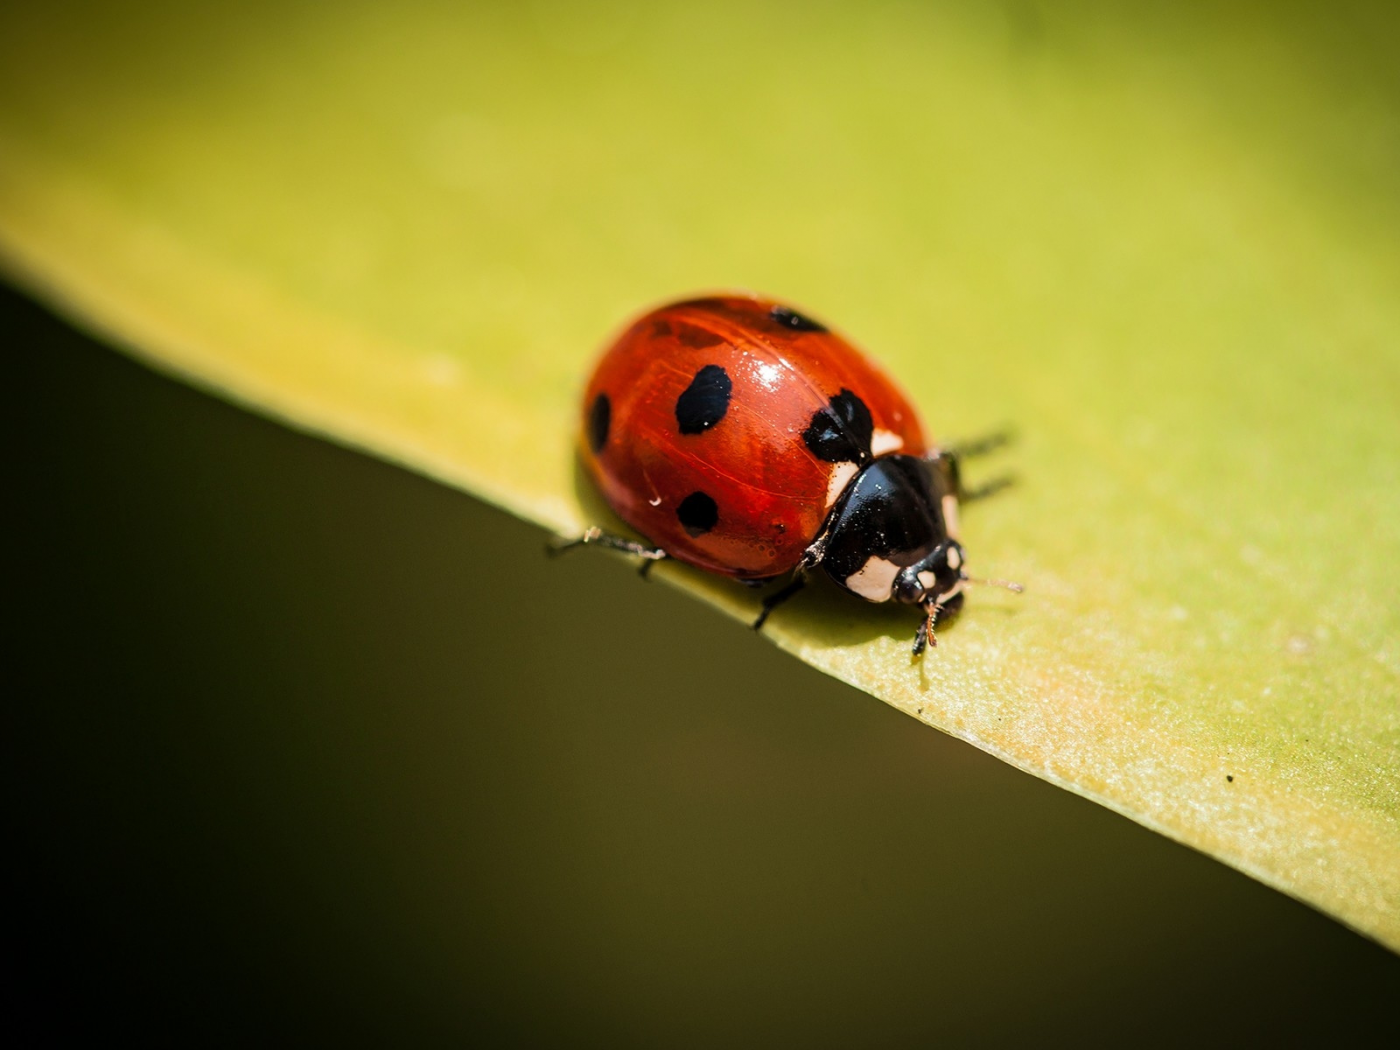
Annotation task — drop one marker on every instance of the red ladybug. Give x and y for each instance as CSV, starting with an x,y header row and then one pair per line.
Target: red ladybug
x,y
747,439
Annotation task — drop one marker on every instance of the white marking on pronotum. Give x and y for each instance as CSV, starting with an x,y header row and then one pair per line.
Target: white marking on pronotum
x,y
927,579
883,441
874,580
840,478
950,516
954,558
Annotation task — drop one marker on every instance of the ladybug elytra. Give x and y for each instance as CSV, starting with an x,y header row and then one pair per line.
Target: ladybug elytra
x,y
742,437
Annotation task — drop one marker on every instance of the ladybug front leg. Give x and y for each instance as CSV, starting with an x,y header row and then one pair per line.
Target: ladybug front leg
x,y
924,636
598,538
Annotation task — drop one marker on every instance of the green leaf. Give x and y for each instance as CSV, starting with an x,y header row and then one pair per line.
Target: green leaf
x,y
1162,245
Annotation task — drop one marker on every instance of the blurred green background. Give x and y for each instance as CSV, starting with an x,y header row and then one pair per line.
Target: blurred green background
x,y
306,744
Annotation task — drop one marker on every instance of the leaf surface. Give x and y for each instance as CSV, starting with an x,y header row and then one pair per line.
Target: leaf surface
x,y
1162,245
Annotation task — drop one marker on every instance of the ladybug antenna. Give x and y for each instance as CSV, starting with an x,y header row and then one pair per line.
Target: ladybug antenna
x,y
1010,585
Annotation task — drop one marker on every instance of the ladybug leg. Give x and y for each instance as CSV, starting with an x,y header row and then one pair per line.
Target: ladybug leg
x,y
813,555
950,459
777,598
597,537
644,569
924,636
981,446
991,488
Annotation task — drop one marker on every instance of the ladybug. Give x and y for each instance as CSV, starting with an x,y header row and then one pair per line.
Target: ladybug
x,y
744,438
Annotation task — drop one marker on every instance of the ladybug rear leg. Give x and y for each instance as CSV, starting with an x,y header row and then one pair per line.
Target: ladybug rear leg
x,y
777,598
981,446
598,538
952,459
991,488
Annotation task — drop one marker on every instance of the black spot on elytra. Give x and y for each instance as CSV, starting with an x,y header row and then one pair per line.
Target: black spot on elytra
x,y
705,401
841,432
794,320
599,422
698,513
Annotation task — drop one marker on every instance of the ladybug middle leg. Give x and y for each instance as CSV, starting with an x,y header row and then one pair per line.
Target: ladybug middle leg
x,y
596,537
777,598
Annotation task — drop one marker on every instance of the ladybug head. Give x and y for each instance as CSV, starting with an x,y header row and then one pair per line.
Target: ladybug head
x,y
938,578
888,538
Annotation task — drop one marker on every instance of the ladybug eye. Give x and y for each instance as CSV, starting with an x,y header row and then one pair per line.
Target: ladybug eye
x,y
794,320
